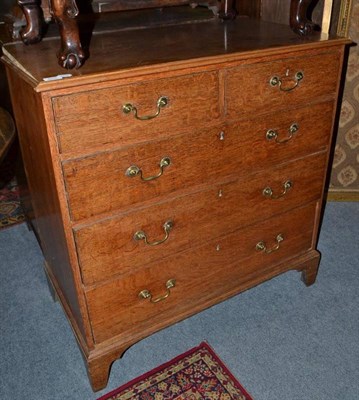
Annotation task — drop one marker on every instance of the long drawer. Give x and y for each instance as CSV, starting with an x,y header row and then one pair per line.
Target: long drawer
x,y
110,247
197,276
92,119
276,85
205,155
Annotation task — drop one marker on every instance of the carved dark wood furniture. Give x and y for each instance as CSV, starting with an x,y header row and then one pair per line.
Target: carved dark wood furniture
x,y
64,12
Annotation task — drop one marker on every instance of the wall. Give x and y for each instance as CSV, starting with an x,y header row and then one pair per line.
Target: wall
x,y
345,173
5,5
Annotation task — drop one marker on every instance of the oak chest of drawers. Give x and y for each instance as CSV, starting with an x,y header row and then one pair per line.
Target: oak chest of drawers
x,y
164,183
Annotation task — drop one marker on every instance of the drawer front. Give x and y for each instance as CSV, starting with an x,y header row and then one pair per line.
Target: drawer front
x,y
116,308
107,248
193,159
249,89
93,119
204,156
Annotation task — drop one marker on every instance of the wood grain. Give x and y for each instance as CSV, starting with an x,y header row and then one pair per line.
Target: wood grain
x,y
242,149
248,88
250,8
201,273
107,248
275,11
91,119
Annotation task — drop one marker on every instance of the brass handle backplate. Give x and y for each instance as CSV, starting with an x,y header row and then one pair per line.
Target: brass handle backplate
x,y
146,294
140,235
268,192
273,134
277,81
161,103
134,170
261,246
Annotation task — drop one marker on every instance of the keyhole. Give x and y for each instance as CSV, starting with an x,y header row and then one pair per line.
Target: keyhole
x,y
287,73
221,136
218,247
220,193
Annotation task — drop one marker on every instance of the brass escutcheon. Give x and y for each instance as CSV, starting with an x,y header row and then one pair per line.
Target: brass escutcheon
x,y
277,81
134,170
261,246
140,235
161,103
146,294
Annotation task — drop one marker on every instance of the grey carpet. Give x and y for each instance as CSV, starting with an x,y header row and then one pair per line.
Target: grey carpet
x,y
281,339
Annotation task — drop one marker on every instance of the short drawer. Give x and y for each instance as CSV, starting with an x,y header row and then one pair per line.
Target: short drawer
x,y
206,155
92,119
124,307
109,247
278,85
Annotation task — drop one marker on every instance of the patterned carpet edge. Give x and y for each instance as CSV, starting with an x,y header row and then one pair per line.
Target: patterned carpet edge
x,y
196,374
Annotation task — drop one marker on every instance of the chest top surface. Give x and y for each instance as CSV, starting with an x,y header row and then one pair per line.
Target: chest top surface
x,y
120,54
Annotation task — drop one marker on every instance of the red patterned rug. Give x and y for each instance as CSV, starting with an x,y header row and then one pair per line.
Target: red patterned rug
x,y
10,209
194,375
